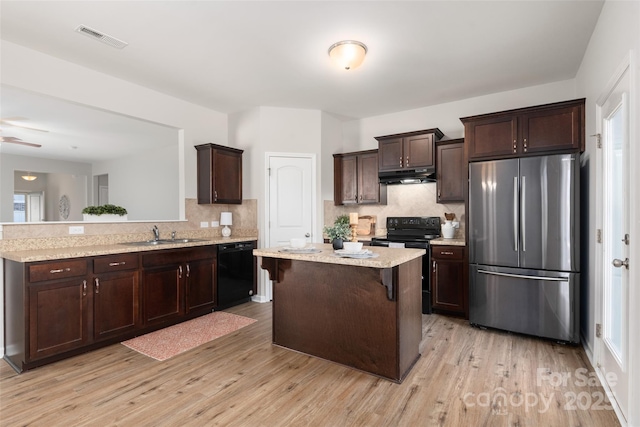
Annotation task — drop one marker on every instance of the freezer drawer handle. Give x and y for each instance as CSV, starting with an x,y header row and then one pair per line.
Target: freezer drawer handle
x,y
522,276
515,213
523,212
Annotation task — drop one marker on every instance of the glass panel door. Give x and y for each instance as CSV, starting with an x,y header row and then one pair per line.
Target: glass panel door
x,y
613,349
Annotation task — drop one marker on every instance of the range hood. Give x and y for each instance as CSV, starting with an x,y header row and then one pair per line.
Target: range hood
x,y
408,176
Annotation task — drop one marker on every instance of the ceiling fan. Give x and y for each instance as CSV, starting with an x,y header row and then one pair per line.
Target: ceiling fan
x,y
11,121
14,140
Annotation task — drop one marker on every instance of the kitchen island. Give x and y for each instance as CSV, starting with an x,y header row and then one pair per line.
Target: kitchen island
x,y
362,313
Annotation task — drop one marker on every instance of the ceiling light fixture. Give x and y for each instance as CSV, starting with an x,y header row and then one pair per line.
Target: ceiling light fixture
x,y
29,177
347,54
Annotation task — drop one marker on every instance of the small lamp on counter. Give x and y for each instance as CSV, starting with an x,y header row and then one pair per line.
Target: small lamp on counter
x,y
353,222
225,219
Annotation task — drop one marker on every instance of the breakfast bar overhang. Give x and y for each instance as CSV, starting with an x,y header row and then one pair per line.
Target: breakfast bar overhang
x,y
361,313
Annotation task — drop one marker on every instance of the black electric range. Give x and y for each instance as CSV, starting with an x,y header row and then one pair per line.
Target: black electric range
x,y
413,232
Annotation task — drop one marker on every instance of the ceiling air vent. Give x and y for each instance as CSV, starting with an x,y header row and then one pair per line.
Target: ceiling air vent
x,y
104,38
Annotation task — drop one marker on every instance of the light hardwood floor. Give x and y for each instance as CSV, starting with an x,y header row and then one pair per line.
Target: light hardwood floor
x,y
465,377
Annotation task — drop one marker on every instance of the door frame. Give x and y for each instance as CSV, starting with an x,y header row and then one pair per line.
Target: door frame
x,y
263,276
633,332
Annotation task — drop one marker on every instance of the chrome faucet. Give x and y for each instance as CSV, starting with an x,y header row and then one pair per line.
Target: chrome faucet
x,y
156,233
173,235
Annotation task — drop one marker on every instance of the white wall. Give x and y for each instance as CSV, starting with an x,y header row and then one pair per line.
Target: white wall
x,y
31,70
616,34
331,143
146,184
75,187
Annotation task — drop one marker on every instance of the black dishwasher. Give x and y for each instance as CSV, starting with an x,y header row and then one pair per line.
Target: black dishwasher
x,y
236,273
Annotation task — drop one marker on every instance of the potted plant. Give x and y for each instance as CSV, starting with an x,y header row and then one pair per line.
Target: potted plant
x,y
104,213
339,231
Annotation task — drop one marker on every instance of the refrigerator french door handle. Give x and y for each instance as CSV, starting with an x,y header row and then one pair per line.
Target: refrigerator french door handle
x,y
523,276
523,211
515,213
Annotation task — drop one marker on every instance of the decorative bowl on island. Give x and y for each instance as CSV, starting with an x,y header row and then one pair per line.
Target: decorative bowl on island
x,y
297,242
352,246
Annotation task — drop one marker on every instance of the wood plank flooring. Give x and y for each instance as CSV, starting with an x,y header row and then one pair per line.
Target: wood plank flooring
x,y
465,377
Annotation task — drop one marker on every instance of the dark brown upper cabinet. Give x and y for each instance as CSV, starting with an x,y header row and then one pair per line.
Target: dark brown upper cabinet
x,y
450,171
549,128
355,179
410,150
219,174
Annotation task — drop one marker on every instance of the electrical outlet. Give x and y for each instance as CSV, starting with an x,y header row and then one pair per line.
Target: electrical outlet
x,y
204,224
215,223
76,229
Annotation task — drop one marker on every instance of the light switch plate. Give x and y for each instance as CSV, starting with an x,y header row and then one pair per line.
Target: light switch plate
x,y
215,223
204,224
76,229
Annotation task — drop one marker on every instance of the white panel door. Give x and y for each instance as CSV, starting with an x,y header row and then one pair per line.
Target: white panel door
x,y
291,196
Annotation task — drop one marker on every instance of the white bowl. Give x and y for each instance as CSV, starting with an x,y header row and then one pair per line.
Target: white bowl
x,y
352,246
297,242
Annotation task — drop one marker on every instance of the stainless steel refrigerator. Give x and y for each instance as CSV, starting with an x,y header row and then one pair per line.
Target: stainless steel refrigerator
x,y
524,258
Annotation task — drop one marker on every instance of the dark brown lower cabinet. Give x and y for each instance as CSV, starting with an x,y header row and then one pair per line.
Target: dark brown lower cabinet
x,y
449,281
116,295
201,284
178,282
163,293
56,309
58,317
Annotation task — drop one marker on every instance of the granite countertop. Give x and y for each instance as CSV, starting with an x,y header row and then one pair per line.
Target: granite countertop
x,y
441,241
386,257
33,255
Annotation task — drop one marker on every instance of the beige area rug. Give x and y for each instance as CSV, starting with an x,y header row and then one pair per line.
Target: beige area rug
x,y
176,339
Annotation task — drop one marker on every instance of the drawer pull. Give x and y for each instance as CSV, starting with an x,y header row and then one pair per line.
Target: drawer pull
x,y
115,264
60,270
446,253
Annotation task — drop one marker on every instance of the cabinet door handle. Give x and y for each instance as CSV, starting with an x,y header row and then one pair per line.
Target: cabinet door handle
x,y
407,161
97,285
434,266
84,288
180,272
115,264
514,146
188,270
400,161
60,270
215,196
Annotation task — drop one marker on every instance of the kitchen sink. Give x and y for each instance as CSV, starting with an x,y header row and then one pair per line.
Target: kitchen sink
x,y
162,242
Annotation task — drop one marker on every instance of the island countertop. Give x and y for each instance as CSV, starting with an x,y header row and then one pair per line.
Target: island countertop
x,y
384,257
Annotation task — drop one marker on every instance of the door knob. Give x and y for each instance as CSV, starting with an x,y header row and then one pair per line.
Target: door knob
x,y
307,235
619,263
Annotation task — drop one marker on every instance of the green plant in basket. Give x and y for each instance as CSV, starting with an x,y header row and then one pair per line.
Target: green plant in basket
x,y
104,210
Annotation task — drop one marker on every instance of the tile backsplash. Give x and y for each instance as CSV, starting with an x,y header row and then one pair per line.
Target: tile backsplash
x,y
402,200
56,234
